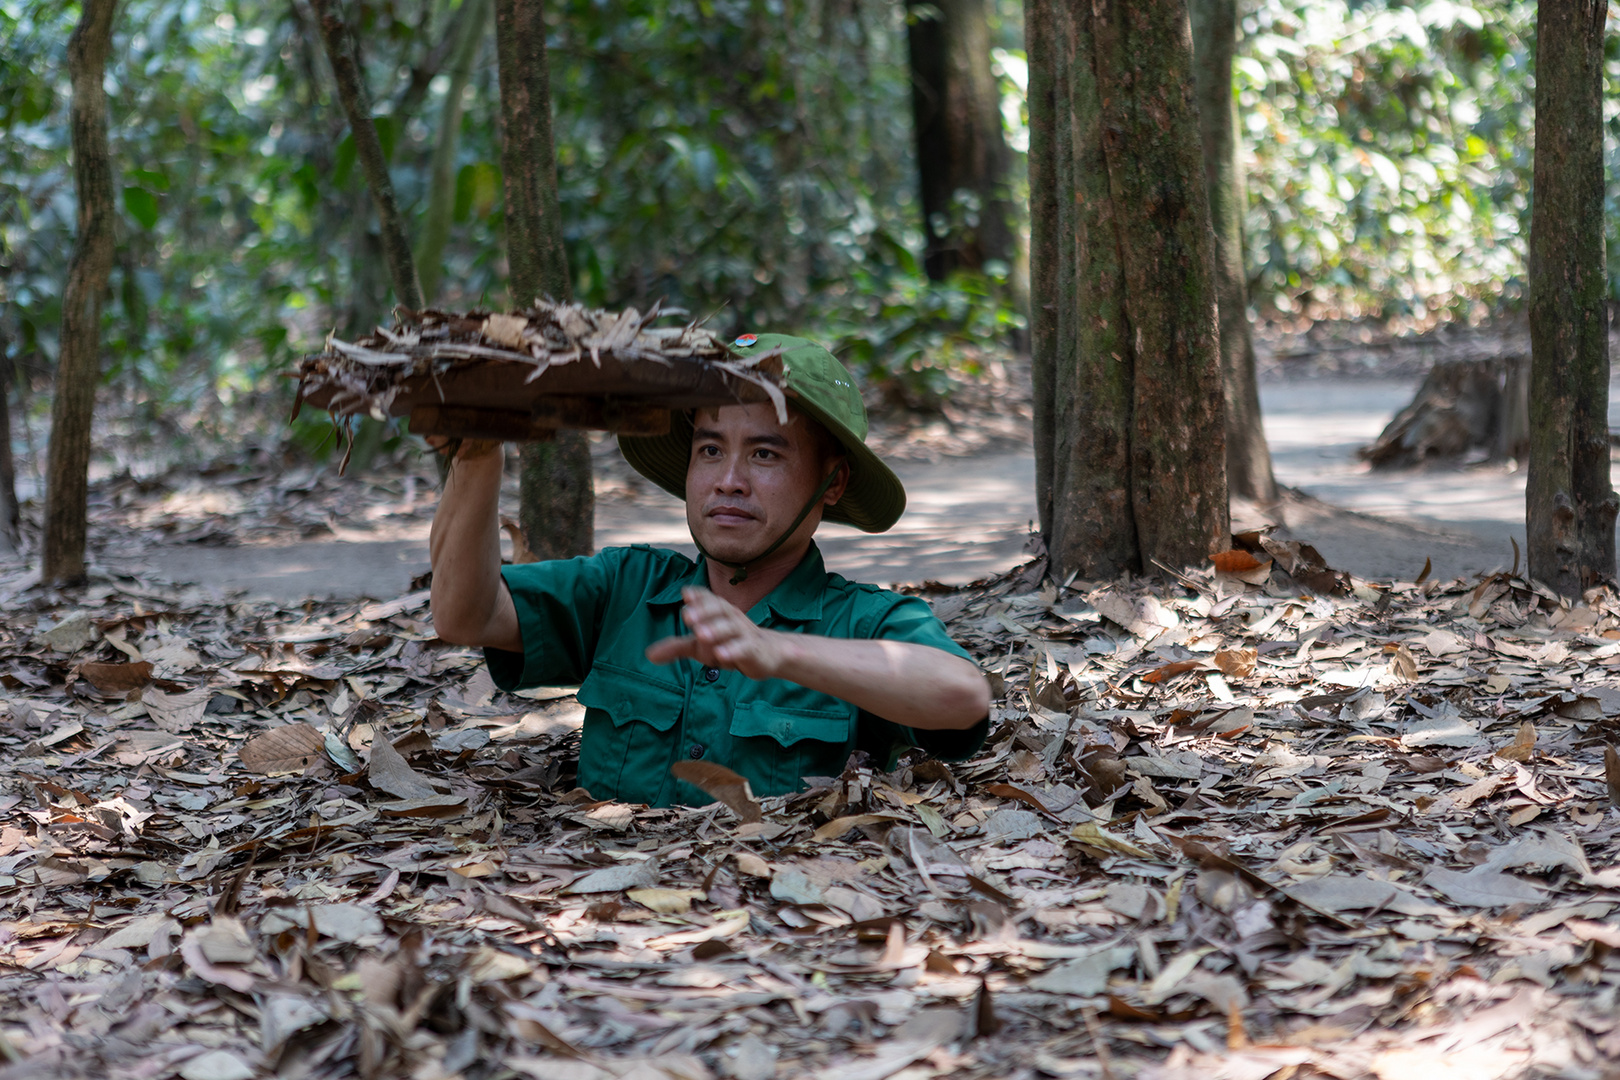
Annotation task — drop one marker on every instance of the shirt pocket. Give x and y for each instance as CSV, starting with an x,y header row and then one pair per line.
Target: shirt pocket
x,y
627,744
631,696
783,743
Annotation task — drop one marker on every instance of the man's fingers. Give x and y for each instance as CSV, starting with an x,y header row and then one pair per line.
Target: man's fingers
x,y
671,649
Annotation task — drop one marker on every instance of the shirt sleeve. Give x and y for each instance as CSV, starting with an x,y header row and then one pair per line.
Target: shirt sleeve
x,y
910,619
559,606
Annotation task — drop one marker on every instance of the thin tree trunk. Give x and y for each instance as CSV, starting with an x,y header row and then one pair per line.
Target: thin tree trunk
x,y
10,513
78,368
369,152
1130,446
557,504
442,182
1248,459
956,113
1570,504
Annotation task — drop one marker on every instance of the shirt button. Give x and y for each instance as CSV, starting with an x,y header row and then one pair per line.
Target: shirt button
x,y
696,751
709,675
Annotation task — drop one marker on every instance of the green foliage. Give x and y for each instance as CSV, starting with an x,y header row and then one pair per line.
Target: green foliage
x,y
1392,155
749,161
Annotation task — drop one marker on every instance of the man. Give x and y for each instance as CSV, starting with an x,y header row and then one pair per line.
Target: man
x,y
781,669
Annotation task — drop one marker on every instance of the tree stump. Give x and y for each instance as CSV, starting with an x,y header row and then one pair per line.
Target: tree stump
x,y
1463,407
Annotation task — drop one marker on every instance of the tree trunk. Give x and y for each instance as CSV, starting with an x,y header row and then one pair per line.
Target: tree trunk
x,y
962,155
557,505
368,151
1570,503
78,368
1129,437
10,513
442,183
1248,459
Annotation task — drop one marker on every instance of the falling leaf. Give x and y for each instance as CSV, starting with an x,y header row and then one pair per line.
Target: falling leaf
x,y
289,748
721,783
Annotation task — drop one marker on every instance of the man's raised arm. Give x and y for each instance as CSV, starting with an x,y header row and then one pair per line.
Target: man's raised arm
x,y
470,603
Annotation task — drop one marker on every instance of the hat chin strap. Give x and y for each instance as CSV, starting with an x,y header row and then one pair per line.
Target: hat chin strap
x,y
740,570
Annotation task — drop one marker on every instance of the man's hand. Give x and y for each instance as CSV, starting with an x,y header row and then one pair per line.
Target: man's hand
x,y
904,682
722,637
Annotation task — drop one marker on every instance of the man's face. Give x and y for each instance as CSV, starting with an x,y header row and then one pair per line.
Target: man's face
x,y
749,477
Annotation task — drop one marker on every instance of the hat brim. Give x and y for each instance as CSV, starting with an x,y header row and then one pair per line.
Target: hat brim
x,y
872,502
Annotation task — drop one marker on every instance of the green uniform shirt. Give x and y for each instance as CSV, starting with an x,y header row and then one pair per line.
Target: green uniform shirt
x,y
587,622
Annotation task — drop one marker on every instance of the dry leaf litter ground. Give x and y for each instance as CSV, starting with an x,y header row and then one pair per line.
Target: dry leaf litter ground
x,y
1224,827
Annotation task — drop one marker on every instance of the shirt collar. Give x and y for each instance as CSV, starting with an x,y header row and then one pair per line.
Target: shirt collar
x,y
797,598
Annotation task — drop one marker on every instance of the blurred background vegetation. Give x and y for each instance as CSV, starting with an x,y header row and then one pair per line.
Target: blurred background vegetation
x,y
747,160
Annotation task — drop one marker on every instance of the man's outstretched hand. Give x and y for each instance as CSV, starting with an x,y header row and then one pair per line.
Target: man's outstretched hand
x,y
722,637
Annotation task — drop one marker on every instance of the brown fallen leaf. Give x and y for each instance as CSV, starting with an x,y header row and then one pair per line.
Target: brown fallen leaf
x,y
721,783
839,826
175,712
116,678
1402,664
1522,746
289,748
1236,663
1611,773
431,806
1171,670
389,771
1236,561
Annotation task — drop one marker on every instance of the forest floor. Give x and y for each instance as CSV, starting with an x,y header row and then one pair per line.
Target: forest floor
x,y
1262,821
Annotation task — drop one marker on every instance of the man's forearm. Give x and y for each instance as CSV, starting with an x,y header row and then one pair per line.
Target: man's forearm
x,y
470,605
905,683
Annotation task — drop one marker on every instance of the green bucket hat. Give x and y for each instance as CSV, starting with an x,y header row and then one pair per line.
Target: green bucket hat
x,y
821,388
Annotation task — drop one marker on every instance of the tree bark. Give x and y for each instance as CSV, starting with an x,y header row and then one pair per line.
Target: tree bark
x,y
442,182
1129,438
78,368
10,512
1570,503
956,113
1248,459
557,504
368,151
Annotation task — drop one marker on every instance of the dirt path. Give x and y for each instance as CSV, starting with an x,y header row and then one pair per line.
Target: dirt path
x,y
969,516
